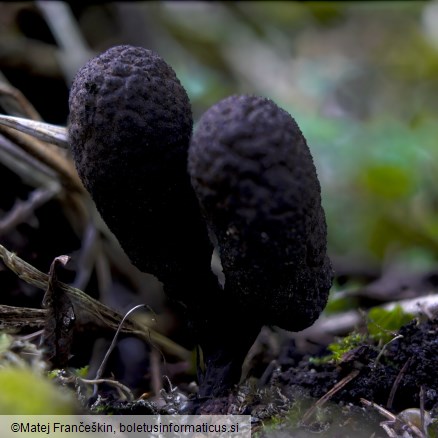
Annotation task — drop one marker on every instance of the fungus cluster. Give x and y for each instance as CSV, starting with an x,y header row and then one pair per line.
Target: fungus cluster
x,y
244,183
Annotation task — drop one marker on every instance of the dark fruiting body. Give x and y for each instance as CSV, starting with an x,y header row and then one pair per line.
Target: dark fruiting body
x,y
257,185
129,130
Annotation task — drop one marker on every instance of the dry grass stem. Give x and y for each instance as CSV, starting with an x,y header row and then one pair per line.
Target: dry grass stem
x,y
53,134
27,108
89,311
50,155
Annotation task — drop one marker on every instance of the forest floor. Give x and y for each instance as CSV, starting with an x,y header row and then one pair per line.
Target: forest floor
x,y
358,386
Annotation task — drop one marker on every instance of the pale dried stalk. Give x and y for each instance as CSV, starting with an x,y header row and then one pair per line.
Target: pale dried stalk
x,y
46,132
51,156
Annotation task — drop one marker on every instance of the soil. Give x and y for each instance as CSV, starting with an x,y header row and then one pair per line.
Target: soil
x,y
399,376
283,401
407,365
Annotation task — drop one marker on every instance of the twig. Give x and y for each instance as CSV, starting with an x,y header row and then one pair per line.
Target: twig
x,y
155,371
87,256
328,395
74,51
52,134
50,156
24,165
124,389
88,310
422,411
22,210
393,419
103,274
382,350
16,318
397,383
27,108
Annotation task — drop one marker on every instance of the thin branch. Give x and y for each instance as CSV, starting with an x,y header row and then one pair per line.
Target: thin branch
x,y
46,132
392,419
87,256
27,108
124,389
74,50
14,319
49,155
155,367
326,397
24,165
396,383
88,310
22,210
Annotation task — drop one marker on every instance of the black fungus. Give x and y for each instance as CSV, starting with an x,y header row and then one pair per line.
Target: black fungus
x,y
250,187
257,185
129,130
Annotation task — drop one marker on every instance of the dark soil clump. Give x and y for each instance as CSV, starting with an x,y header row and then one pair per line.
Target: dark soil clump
x,y
406,368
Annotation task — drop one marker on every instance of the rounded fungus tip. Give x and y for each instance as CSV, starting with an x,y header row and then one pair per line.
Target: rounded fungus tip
x,y
129,130
258,189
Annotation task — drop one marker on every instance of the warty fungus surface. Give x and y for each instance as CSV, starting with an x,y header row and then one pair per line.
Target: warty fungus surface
x,y
245,182
257,185
129,129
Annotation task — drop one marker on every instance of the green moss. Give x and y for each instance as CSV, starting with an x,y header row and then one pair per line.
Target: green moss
x,y
24,392
328,420
382,326
82,372
340,347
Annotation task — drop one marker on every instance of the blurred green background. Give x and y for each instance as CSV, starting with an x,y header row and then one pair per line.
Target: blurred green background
x,y
361,79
